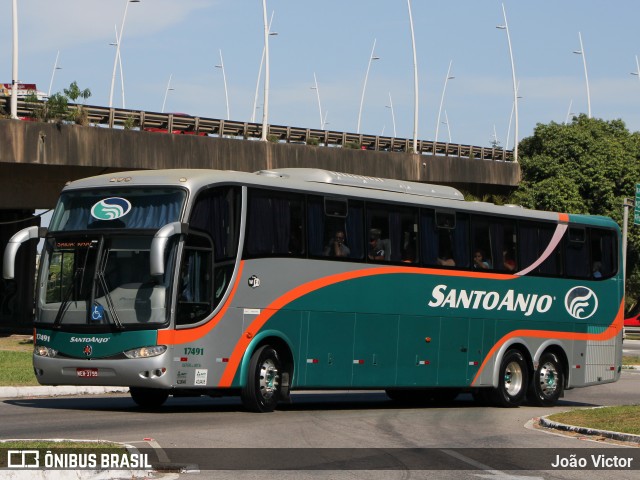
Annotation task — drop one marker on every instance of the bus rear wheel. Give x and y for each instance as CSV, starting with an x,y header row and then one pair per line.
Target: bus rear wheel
x,y
261,392
547,384
513,379
148,397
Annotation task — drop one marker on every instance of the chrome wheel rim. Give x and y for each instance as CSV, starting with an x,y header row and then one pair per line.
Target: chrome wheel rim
x,y
269,379
548,379
513,378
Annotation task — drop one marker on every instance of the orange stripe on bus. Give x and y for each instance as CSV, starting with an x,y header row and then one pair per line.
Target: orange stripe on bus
x,y
611,331
304,289
563,217
172,337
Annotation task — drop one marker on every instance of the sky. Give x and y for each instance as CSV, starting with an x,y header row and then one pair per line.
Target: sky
x,y
181,40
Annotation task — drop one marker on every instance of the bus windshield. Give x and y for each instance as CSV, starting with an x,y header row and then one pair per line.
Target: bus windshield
x,y
101,280
117,208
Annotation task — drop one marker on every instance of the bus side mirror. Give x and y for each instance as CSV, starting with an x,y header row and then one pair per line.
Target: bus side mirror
x,y
159,245
11,250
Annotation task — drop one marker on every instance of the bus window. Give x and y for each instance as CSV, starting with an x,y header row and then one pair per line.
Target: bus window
x,y
331,221
275,224
444,238
534,239
577,254
195,287
603,253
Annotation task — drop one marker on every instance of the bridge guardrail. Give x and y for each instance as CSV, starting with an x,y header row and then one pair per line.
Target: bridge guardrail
x,y
186,124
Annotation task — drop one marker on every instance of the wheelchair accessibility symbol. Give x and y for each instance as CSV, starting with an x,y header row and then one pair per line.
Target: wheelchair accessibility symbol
x,y
97,313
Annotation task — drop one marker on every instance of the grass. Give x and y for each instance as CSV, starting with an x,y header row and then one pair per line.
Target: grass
x,y
58,447
625,419
15,358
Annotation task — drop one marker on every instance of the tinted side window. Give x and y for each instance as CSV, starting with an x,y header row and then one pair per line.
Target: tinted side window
x,y
335,228
534,239
444,238
275,225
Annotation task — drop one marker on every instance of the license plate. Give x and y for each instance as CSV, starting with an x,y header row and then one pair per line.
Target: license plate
x,y
87,372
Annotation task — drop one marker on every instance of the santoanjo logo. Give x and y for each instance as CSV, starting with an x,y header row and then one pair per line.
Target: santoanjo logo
x,y
476,299
111,208
581,302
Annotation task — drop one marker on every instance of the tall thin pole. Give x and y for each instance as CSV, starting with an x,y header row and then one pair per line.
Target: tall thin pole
x,y
119,43
265,108
121,71
515,86
166,92
224,79
446,120
393,116
317,89
637,72
255,98
14,70
444,89
55,67
569,111
586,75
364,87
415,82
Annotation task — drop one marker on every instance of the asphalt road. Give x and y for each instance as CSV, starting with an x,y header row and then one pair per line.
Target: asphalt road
x,y
328,420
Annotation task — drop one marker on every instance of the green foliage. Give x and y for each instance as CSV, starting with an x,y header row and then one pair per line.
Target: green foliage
x,y
313,141
587,166
57,109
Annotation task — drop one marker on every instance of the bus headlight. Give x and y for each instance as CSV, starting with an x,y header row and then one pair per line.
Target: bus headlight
x,y
145,352
42,351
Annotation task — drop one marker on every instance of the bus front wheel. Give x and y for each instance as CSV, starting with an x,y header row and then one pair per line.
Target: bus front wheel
x,y
262,390
512,380
547,384
148,397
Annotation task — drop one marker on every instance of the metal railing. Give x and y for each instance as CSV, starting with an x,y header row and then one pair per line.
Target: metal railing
x,y
186,124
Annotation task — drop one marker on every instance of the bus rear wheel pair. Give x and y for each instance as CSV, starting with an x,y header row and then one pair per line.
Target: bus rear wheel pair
x,y
543,389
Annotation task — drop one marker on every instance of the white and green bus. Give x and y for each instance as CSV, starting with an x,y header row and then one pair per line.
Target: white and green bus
x,y
203,282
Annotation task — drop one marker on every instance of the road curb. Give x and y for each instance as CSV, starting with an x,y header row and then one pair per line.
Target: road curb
x,y
59,391
622,437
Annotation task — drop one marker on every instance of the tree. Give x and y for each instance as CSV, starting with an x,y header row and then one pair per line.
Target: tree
x,y
588,166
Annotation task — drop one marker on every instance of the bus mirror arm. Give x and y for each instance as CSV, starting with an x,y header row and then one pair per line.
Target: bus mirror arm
x,y
11,250
159,245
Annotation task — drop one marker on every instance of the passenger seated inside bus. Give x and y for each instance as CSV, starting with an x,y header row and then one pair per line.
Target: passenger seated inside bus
x,y
377,249
509,262
479,261
337,247
597,269
445,258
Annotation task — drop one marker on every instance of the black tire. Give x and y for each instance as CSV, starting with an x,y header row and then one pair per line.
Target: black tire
x,y
262,390
513,379
547,382
150,398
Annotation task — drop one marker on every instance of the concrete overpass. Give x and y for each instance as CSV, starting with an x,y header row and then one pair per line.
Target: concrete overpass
x,y
37,159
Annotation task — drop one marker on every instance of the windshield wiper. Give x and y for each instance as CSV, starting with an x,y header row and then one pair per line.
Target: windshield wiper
x,y
102,282
66,301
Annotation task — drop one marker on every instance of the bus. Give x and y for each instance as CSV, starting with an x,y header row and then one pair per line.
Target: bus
x,y
204,282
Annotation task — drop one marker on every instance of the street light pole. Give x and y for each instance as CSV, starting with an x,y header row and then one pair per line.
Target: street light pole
x,y
515,86
317,89
224,79
446,120
364,87
265,109
166,92
637,72
393,116
255,98
14,70
415,82
119,43
446,79
586,76
55,67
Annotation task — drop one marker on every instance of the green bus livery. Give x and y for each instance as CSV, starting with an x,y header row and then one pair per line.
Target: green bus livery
x,y
202,282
